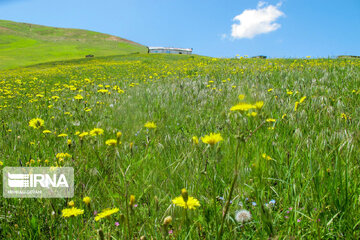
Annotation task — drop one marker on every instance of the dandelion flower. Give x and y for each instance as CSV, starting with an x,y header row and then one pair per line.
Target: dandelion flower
x,y
96,131
71,203
118,134
296,106
241,96
105,213
195,140
185,201
267,157
111,142
36,123
46,131
87,200
252,114
212,139
62,135
83,134
259,104
150,125
302,99
68,212
270,120
78,97
102,91
343,116
1,163
242,107
62,155
242,216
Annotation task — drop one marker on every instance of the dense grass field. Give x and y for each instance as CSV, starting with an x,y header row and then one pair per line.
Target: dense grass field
x,y
283,163
23,44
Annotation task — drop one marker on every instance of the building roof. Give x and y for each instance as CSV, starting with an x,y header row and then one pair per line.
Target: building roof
x,y
170,48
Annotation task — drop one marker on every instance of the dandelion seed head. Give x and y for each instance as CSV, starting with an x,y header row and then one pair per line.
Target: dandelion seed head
x,y
242,216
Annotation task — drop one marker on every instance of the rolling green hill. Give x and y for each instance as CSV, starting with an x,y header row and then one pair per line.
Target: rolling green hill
x,y
23,44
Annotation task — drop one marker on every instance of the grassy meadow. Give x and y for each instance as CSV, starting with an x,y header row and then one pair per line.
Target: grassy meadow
x,y
23,44
266,149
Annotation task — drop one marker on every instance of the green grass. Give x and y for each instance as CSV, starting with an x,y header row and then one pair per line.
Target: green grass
x,y
23,44
312,171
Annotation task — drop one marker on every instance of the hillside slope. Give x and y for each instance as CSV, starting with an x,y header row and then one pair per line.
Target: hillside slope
x,y
23,44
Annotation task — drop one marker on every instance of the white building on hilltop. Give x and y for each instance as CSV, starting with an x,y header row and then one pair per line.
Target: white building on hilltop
x,y
170,50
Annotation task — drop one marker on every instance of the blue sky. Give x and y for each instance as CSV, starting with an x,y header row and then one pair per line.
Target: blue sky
x,y
288,28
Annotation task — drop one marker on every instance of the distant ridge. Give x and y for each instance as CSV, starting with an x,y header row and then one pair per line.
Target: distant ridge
x,y
23,44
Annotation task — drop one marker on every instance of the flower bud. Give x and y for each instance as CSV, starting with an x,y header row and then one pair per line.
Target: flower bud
x,y
167,220
184,194
132,200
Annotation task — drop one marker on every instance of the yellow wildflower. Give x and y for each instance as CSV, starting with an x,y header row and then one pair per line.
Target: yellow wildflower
x,y
111,142
267,157
62,135
106,213
78,97
252,114
132,200
242,107
150,125
87,200
302,99
259,104
241,96
83,134
63,155
36,123
296,106
96,131
71,203
46,131
68,212
195,140
185,201
212,139
270,120
103,91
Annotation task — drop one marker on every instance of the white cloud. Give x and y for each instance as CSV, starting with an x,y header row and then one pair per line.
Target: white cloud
x,y
257,21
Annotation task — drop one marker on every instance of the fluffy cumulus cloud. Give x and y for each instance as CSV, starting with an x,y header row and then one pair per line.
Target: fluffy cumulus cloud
x,y
257,21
